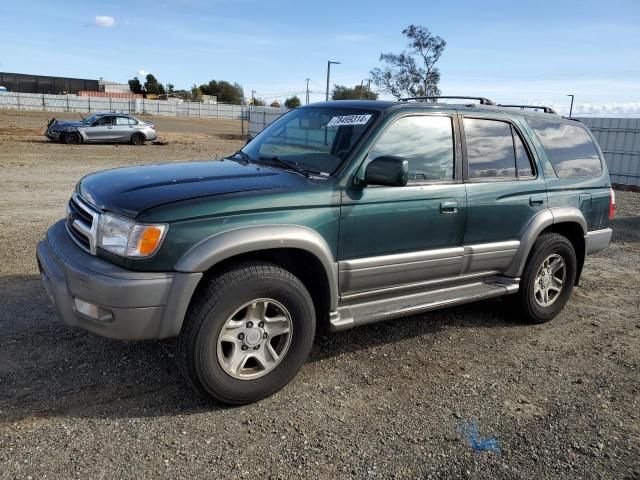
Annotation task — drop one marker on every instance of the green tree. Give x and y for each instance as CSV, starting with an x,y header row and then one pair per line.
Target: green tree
x,y
170,88
412,72
257,102
151,85
226,92
292,102
135,86
340,92
275,104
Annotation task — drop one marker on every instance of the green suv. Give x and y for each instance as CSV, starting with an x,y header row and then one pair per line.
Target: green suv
x,y
338,214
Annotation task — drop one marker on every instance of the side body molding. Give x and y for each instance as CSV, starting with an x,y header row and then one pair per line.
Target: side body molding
x,y
537,224
227,244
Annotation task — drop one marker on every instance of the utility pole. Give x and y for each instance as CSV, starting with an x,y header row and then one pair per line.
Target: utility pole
x,y
361,86
368,89
307,98
571,107
329,63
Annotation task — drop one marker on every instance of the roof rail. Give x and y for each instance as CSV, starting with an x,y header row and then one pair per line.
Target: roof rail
x,y
533,107
482,100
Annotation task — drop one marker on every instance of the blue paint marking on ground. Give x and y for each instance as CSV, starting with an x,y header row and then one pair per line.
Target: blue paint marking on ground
x,y
469,431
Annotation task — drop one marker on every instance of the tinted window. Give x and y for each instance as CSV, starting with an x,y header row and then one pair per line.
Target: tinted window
x,y
523,162
425,141
490,151
569,148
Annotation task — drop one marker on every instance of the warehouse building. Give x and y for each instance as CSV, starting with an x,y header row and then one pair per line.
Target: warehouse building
x,y
25,83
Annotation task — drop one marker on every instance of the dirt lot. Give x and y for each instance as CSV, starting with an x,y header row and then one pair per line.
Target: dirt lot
x,y
383,401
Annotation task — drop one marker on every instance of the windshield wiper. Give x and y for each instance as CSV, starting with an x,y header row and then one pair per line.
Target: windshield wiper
x,y
246,159
287,164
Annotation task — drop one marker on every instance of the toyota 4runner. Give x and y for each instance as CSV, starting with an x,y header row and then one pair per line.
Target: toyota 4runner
x,y
337,214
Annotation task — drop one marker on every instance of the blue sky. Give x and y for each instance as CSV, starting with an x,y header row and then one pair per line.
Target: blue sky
x,y
524,52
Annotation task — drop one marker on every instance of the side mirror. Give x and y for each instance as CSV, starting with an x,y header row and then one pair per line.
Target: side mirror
x,y
387,170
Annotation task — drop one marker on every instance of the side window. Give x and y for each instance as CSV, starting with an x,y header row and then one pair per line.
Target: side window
x,y
569,147
425,141
524,165
105,121
122,121
490,151
132,121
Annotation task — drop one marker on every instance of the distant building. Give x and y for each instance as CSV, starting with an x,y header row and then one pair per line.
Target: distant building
x,y
113,87
25,83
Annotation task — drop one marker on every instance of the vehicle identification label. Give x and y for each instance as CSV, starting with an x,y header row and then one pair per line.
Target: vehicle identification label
x,y
349,120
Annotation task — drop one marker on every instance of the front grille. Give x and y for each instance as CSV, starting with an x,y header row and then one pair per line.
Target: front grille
x,y
82,223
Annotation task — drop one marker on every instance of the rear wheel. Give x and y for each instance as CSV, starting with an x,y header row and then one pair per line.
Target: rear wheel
x,y
548,278
73,138
138,139
247,333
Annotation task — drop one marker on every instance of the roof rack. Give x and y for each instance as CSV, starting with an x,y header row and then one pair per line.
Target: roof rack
x,y
533,107
482,100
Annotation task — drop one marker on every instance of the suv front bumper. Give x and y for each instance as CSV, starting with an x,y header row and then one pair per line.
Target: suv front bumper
x,y
108,300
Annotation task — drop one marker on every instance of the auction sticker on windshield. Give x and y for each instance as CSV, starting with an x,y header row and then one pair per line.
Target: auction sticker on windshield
x,y
348,120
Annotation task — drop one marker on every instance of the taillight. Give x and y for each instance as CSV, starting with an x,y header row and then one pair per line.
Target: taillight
x,y
612,203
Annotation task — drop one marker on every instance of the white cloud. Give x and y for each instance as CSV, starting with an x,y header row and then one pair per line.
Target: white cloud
x,y
353,37
142,72
105,21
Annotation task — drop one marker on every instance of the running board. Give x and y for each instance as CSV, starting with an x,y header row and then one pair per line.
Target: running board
x,y
351,315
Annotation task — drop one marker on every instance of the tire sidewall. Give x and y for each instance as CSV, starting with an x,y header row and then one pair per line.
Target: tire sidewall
x,y
137,139
210,373
562,247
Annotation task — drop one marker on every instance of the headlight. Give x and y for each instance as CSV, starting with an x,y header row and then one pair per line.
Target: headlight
x,y
126,238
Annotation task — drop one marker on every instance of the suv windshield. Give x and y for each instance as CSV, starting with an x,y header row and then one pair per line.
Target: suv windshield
x,y
317,139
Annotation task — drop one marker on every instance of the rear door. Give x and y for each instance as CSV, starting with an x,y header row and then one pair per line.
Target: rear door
x,y
505,189
399,236
123,128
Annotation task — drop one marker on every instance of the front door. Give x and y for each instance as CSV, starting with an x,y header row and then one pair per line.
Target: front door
x,y
393,236
101,130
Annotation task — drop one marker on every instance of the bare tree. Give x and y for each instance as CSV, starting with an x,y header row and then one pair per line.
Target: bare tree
x,y
412,72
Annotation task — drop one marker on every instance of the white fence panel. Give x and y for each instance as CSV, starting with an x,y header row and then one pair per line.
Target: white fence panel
x,y
74,103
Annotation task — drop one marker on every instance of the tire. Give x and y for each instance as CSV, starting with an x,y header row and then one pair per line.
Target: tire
x,y
534,306
138,139
73,138
207,361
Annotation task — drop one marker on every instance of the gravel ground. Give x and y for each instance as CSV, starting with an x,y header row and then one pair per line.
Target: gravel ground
x,y
390,400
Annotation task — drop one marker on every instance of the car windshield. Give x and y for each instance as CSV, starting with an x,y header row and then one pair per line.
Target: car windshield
x,y
91,118
316,139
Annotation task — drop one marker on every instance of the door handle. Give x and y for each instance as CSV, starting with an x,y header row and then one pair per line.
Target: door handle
x,y
535,200
449,207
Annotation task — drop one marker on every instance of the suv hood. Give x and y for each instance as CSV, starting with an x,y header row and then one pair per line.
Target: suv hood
x,y
129,191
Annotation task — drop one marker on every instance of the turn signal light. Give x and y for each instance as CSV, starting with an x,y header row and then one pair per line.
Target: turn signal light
x,y
145,240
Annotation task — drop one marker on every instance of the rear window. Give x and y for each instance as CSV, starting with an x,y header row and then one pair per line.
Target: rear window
x,y
569,147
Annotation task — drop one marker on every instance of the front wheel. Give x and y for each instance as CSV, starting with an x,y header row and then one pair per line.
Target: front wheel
x,y
548,278
73,138
247,333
